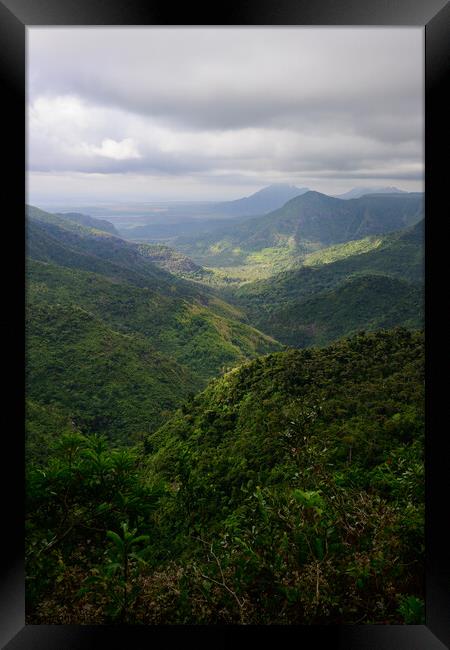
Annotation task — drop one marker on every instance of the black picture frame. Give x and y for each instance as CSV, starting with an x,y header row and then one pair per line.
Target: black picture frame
x,y
15,16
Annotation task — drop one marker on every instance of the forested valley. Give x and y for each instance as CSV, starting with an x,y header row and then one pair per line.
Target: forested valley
x,y
226,425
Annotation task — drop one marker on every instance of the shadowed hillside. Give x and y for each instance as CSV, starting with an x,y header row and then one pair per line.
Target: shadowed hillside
x,y
367,285
129,340
304,224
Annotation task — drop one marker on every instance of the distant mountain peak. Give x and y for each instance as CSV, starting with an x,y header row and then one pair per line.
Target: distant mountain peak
x,y
263,201
275,187
316,193
357,192
312,196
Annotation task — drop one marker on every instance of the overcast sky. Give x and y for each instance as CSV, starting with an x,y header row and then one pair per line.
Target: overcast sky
x,y
143,114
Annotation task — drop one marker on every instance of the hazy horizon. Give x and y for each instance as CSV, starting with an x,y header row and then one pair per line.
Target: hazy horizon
x,y
152,115
140,206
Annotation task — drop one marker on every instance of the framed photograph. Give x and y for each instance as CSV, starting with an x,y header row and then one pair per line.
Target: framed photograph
x,y
230,406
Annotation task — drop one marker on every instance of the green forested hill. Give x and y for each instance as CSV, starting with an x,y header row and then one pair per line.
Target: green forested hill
x,y
304,224
316,217
366,302
342,290
287,490
104,380
293,468
399,254
203,337
44,424
54,239
173,261
89,222
172,335
291,490
119,285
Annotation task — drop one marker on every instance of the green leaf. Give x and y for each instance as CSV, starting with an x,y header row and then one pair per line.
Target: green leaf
x,y
114,537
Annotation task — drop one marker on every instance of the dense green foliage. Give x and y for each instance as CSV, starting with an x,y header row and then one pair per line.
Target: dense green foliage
x,y
117,344
205,338
289,491
171,260
345,288
68,244
305,223
105,380
85,489
366,302
44,423
341,251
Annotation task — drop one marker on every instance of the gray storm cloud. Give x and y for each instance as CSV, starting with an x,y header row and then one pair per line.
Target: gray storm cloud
x,y
204,103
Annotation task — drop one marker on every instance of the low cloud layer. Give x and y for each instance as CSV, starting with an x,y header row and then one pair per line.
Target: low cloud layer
x,y
204,110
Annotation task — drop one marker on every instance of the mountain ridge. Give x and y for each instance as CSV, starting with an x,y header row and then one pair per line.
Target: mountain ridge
x,y
304,224
263,201
357,192
70,275
90,222
387,279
